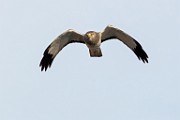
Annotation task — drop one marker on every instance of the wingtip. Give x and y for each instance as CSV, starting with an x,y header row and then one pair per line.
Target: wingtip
x,y
140,53
46,61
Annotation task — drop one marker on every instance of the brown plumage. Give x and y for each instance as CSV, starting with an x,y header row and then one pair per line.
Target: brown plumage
x,y
93,41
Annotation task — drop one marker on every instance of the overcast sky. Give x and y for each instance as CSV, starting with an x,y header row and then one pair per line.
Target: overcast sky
x,y
116,86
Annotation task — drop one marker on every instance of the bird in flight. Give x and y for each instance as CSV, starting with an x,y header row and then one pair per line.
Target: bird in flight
x,y
93,41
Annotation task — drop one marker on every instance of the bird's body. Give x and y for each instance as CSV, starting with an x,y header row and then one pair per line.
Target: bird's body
x,y
93,41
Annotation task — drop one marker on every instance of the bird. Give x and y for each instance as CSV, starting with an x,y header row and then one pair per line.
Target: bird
x,y
93,41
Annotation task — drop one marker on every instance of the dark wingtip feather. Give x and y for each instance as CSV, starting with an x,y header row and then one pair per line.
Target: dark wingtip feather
x,y
141,54
46,61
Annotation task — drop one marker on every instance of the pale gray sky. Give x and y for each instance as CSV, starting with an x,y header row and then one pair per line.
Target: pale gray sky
x,y
115,87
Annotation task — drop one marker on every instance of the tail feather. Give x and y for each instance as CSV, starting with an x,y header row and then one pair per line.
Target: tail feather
x,y
95,52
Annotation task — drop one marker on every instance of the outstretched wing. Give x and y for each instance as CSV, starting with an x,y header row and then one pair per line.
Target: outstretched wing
x,y
111,32
57,45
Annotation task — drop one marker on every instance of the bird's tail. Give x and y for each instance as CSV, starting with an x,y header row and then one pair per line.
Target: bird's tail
x,y
95,52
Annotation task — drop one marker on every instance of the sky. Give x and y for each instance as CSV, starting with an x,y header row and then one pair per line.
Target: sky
x,y
76,87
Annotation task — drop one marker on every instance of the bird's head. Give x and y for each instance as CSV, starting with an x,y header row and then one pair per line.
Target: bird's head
x,y
90,35
92,38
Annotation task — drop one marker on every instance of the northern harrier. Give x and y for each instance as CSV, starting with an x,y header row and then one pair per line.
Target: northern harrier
x,y
93,41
